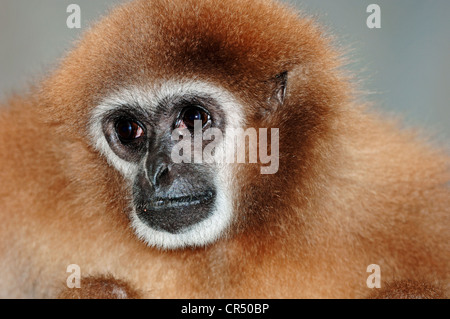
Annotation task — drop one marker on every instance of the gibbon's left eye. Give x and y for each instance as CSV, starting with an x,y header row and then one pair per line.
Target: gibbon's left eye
x,y
128,130
191,114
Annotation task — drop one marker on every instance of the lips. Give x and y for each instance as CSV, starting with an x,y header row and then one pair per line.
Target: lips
x,y
181,201
174,213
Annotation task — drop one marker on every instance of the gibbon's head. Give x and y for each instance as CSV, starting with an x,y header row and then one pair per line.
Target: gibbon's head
x,y
147,81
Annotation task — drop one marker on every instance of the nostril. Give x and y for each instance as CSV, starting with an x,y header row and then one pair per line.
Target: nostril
x,y
158,169
161,172
164,170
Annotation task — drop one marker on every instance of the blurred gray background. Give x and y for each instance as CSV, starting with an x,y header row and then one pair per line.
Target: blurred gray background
x,y
405,65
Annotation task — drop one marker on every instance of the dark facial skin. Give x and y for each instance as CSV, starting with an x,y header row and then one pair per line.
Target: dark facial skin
x,y
167,196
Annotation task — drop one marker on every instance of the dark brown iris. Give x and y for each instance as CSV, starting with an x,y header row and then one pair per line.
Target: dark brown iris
x,y
128,130
192,114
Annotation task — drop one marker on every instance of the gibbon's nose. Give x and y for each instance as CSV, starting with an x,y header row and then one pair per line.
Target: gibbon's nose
x,y
158,171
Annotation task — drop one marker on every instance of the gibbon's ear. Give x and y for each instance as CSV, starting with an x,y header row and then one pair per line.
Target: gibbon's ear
x,y
278,87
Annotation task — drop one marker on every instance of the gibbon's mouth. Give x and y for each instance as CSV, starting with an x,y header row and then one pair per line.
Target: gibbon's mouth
x,y
177,214
182,201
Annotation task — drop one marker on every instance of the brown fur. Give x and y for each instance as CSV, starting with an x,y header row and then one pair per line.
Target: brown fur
x,y
409,289
352,189
102,287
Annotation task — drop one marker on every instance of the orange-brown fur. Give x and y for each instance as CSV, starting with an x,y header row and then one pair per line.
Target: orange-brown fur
x,y
352,189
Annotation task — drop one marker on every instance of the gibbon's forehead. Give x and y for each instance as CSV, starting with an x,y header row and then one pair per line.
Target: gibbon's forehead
x,y
229,34
236,42
239,45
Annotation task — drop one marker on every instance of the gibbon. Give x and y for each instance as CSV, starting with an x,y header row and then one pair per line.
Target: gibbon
x,y
88,176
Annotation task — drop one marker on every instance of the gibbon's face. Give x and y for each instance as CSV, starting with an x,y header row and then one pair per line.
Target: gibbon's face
x,y
155,67
174,204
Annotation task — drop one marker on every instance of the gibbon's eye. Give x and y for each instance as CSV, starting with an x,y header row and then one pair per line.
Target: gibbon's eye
x,y
128,130
191,114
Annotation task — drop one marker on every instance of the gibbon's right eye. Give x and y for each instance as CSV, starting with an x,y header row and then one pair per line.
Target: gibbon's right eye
x,y
128,130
